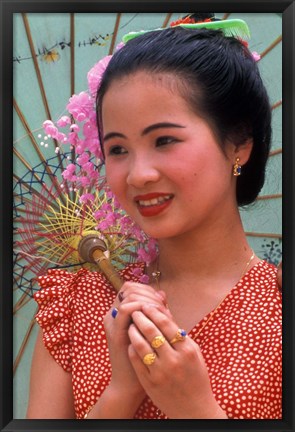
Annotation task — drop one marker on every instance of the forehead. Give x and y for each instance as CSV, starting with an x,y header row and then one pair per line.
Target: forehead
x,y
148,95
153,88
159,80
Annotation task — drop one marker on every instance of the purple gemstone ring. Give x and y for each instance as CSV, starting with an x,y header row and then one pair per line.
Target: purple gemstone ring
x,y
180,336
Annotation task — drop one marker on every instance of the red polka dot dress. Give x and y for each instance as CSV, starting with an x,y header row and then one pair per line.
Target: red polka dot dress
x,y
241,344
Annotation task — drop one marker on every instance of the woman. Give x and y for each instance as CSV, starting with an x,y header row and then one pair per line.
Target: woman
x,y
185,126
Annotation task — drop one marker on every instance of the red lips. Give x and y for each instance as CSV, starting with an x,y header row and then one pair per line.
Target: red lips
x,y
153,204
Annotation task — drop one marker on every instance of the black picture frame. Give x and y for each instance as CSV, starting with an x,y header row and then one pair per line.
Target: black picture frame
x,y
7,9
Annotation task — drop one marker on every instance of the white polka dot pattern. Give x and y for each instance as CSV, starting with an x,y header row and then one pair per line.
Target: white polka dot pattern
x,y
242,344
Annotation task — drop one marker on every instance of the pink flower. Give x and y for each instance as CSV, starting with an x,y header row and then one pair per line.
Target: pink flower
x,y
50,128
90,129
86,197
111,218
106,207
103,226
94,147
68,173
95,74
256,56
80,106
149,252
98,214
63,121
88,167
83,158
144,279
119,46
74,128
84,181
142,255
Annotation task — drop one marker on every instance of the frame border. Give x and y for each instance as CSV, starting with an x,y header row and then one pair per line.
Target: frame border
x,y
7,8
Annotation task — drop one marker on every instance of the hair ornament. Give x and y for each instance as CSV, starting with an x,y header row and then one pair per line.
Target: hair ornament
x,y
231,27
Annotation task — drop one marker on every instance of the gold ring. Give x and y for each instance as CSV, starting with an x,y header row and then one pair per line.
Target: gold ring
x,y
149,359
158,341
180,336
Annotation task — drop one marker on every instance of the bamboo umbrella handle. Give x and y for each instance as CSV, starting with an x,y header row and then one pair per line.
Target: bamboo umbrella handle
x,y
92,249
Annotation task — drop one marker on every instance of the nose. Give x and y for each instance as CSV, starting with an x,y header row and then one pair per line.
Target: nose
x,y
142,171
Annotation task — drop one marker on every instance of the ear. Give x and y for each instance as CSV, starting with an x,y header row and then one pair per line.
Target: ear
x,y
243,151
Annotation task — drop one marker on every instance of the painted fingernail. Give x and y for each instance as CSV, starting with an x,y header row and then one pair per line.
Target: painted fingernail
x,y
114,312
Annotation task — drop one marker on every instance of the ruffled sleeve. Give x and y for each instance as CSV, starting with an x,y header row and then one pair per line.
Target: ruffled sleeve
x,y
55,300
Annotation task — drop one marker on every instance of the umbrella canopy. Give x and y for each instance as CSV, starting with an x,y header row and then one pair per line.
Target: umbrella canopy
x,y
52,54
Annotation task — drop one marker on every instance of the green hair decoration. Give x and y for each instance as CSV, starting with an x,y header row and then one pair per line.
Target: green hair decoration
x,y
233,27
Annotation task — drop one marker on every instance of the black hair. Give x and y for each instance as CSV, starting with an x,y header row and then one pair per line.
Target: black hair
x,y
220,80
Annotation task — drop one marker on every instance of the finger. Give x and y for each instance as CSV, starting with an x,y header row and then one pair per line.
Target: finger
x,y
147,337
122,314
142,371
153,320
141,347
130,288
152,300
133,294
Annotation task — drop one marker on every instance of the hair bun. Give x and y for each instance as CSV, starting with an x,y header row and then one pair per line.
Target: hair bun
x,y
200,17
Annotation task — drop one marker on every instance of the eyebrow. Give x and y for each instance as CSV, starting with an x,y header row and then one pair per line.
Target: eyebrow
x,y
147,130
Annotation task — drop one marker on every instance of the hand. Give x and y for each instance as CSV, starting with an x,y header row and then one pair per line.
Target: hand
x,y
135,295
177,369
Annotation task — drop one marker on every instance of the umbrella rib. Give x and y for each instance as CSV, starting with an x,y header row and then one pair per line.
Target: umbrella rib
x,y
271,46
35,145
267,197
72,89
275,152
25,298
72,26
276,104
28,186
167,19
114,37
24,343
19,277
268,235
35,192
38,73
37,70
28,130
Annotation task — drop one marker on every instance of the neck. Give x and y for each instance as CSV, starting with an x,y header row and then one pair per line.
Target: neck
x,y
206,253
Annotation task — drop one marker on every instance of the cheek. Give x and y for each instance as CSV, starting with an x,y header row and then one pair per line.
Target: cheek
x,y
112,177
116,180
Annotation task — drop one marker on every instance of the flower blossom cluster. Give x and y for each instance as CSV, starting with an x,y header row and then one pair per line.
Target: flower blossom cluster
x,y
77,131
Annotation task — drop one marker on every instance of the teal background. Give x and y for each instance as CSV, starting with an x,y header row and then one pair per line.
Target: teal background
x,y
93,38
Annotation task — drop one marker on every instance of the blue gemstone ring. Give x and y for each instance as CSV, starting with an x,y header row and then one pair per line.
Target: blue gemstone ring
x,y
114,312
180,336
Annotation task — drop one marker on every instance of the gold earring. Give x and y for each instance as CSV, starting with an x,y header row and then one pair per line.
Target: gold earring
x,y
237,170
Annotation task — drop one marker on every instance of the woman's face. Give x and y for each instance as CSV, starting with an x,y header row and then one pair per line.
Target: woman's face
x,y
163,162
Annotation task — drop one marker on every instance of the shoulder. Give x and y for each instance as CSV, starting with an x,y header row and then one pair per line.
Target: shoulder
x,y
74,302
262,278
261,291
59,285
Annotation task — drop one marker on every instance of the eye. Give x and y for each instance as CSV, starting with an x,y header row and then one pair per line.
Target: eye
x,y
116,150
165,140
